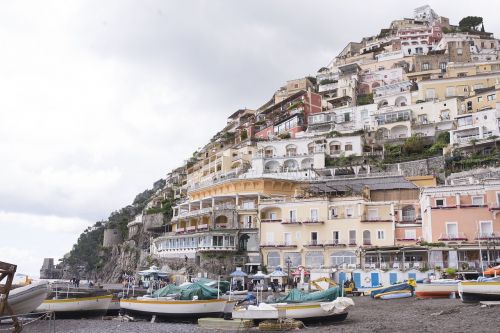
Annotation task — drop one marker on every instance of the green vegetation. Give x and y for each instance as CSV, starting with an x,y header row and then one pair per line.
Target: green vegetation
x,y
84,257
414,148
470,23
336,134
326,81
285,135
244,135
295,105
458,162
365,99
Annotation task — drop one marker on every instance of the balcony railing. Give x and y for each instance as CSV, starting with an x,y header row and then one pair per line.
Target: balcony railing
x,y
221,226
313,221
278,244
291,222
333,242
459,236
367,242
180,230
191,228
271,220
226,206
494,206
247,207
315,243
488,236
366,218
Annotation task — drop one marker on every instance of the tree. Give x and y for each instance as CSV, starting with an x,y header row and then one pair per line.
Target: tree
x,y
470,23
413,145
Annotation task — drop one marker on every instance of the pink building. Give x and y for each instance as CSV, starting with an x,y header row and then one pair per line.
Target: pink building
x,y
464,218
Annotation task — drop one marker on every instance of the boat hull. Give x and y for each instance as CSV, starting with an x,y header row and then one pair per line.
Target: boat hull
x,y
174,309
303,311
473,292
73,307
26,299
435,290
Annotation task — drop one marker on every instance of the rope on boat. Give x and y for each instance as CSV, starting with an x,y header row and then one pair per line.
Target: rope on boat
x,y
43,316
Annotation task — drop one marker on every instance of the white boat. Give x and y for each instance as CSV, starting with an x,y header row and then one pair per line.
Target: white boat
x,y
75,306
25,299
437,289
476,291
168,307
336,310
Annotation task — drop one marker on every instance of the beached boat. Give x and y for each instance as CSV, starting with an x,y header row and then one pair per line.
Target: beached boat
x,y
75,303
336,310
25,299
437,289
192,300
481,290
297,304
397,291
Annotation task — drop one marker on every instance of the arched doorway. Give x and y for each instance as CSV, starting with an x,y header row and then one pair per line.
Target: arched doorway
x,y
243,242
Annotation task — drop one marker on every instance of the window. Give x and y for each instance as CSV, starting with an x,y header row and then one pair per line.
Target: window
x,y
426,66
216,241
314,238
352,237
485,229
442,66
349,212
478,86
491,97
248,205
333,213
450,91
451,230
367,238
314,214
440,203
464,121
343,257
295,257
478,201
287,238
336,237
422,119
347,117
270,238
380,234
272,216
348,147
314,259
459,51
248,221
293,216
469,106
430,94
372,214
480,99
445,115
411,234
273,259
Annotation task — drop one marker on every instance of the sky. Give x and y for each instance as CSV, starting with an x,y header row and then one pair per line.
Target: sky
x,y
99,99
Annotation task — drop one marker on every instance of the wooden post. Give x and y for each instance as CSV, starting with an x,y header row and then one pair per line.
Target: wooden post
x,y
7,271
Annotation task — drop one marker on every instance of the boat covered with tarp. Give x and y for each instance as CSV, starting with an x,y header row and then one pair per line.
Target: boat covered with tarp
x,y
406,289
189,300
299,296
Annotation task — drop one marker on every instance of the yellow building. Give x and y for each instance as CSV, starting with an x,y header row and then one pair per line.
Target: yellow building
x,y
322,232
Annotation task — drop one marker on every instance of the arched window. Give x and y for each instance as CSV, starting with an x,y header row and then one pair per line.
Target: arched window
x,y
408,213
291,150
314,259
291,165
343,257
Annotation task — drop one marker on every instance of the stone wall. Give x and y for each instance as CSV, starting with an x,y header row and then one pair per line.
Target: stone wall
x,y
153,221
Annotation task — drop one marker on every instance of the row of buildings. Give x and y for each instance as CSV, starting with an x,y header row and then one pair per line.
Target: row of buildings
x,y
300,181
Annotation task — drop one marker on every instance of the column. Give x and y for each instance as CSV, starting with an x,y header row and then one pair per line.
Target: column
x,y
237,200
457,199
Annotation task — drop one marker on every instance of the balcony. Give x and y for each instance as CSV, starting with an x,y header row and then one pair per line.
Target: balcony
x,y
327,87
180,230
366,218
221,226
286,245
314,243
333,243
202,227
216,248
271,220
488,236
494,206
456,237
191,229
367,242
410,219
247,207
291,222
313,221
226,206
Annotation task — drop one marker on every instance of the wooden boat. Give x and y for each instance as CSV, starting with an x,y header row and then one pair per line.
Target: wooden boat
x,y
77,303
476,291
336,310
436,289
25,299
172,308
395,295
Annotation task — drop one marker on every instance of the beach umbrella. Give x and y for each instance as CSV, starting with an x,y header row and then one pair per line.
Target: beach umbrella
x,y
278,273
238,273
259,275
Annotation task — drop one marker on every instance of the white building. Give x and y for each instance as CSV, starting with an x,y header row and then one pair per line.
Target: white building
x,y
344,120
476,127
429,118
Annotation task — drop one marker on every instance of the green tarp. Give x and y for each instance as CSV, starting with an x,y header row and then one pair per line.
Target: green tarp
x,y
188,292
297,296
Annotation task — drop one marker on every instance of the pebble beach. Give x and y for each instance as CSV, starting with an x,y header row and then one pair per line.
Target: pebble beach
x,y
398,315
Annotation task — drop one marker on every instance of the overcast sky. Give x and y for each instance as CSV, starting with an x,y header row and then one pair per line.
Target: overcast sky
x,y
99,99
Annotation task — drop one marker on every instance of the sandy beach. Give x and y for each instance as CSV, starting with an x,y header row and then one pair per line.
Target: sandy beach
x,y
400,315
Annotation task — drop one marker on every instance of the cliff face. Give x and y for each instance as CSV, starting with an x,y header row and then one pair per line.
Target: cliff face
x,y
123,258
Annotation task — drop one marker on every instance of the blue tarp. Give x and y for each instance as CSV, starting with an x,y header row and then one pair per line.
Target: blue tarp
x,y
297,296
395,287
